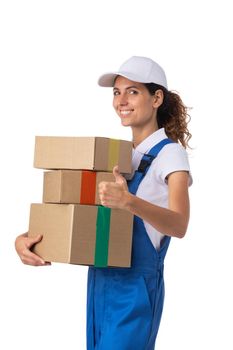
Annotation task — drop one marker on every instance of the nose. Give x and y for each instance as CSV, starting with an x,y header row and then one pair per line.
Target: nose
x,y
123,100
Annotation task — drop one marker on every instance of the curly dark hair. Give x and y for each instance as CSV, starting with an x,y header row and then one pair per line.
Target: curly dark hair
x,y
172,115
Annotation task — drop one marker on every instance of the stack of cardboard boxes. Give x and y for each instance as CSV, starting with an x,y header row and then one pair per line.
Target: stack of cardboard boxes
x,y
75,227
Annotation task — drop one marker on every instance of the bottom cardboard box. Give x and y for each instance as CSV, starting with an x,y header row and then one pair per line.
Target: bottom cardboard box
x,y
82,234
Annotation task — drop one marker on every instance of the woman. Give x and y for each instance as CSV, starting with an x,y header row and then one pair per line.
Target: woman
x,y
124,305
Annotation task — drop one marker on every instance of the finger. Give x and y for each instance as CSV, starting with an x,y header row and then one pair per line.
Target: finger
x,y
30,258
116,172
33,240
118,177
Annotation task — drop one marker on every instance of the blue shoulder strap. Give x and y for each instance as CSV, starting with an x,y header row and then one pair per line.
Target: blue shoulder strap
x,y
145,163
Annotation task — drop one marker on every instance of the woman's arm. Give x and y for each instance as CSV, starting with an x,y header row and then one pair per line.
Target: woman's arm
x,y
172,221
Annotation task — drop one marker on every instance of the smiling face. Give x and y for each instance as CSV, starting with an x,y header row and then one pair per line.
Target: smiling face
x,y
135,106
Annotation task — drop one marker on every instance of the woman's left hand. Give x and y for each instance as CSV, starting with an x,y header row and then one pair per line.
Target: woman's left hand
x,y
114,194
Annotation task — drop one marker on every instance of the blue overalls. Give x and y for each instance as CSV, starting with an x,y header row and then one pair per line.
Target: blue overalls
x,y
124,305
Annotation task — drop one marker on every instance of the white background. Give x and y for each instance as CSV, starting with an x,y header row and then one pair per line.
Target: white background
x,y
52,53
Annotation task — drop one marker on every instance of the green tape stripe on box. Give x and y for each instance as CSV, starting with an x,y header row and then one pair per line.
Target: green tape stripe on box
x,y
102,236
113,153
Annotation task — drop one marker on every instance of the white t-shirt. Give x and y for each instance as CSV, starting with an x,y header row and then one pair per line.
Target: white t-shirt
x,y
153,188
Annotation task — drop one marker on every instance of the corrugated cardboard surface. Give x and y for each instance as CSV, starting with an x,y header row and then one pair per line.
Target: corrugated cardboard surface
x,y
84,235
55,223
65,186
62,186
119,239
90,153
101,154
69,234
52,152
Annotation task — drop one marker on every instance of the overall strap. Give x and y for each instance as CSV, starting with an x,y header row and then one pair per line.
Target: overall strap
x,y
145,163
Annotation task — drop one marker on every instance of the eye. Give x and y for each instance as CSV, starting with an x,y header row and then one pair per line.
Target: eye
x,y
133,92
116,93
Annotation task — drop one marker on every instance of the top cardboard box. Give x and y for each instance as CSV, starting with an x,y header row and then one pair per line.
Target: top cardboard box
x,y
82,153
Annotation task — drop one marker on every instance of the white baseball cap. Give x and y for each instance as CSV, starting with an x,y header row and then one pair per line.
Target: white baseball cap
x,y
138,69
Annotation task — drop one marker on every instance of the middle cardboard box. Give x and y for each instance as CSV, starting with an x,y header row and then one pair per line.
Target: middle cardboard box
x,y
82,234
73,186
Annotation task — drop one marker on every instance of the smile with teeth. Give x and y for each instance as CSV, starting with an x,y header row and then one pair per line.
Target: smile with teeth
x,y
126,112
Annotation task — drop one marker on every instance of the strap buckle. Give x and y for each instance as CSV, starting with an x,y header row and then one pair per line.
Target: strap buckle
x,y
145,163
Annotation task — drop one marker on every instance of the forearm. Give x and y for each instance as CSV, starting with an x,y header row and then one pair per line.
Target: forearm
x,y
164,220
172,221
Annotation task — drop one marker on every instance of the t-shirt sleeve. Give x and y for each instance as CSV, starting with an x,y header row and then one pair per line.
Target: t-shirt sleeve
x,y
173,157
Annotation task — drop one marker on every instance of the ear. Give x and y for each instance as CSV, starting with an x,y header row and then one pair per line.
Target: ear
x,y
158,98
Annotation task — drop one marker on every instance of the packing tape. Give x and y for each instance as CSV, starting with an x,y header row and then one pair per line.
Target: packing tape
x,y
113,153
88,187
102,236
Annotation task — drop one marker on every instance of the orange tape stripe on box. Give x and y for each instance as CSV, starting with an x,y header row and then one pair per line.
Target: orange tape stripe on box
x,y
88,186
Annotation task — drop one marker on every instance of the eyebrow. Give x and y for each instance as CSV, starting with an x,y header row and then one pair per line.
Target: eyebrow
x,y
128,87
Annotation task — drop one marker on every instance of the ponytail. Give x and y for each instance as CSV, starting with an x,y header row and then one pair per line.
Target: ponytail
x,y
172,115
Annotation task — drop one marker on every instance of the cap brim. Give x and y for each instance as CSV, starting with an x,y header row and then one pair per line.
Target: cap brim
x,y
108,79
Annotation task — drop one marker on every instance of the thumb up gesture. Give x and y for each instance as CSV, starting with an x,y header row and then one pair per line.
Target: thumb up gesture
x,y
114,194
119,179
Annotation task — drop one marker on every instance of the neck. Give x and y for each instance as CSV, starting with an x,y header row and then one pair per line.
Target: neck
x,y
141,135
